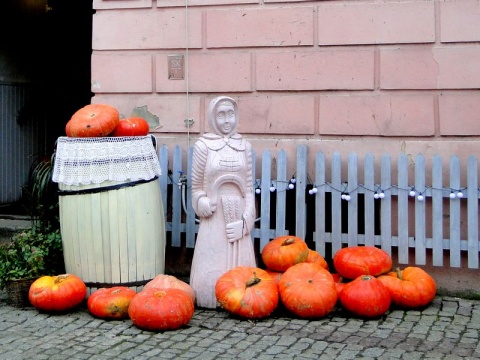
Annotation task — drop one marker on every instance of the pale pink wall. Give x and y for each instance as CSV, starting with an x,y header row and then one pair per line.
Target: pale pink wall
x,y
365,76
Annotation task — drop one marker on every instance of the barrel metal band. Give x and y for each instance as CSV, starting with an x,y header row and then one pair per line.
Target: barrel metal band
x,y
110,285
105,188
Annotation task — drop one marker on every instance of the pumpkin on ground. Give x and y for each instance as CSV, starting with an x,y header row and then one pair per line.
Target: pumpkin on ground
x,y
351,262
308,290
161,309
283,252
163,281
410,288
365,297
248,292
134,126
110,303
316,257
94,120
57,293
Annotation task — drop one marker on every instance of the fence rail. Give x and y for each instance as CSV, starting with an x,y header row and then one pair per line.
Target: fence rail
x,y
424,222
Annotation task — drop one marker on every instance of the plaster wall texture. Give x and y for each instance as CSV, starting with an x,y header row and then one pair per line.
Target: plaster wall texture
x,y
365,76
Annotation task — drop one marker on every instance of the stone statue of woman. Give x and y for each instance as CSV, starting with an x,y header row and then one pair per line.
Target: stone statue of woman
x,y
223,199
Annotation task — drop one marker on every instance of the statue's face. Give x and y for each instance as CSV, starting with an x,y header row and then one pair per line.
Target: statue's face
x,y
225,118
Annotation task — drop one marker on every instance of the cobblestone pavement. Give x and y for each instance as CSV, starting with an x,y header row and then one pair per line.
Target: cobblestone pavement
x,y
446,329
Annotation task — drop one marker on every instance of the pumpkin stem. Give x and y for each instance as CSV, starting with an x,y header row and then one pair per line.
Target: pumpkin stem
x,y
399,273
253,281
288,241
60,278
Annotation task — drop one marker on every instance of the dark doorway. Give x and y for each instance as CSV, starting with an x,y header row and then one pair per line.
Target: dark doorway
x,y
45,55
49,43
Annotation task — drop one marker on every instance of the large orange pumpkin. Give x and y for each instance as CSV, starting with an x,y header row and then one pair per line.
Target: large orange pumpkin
x,y
308,290
57,293
161,309
110,303
410,288
94,120
247,292
283,252
352,262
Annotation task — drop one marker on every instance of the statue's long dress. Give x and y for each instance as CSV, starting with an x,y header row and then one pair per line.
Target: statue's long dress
x,y
222,171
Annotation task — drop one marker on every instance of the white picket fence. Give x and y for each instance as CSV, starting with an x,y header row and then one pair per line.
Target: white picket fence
x,y
425,222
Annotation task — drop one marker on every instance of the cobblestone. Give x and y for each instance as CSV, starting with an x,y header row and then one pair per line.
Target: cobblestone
x,y
447,329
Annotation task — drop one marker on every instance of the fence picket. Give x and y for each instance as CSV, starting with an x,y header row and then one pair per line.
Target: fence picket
x,y
281,206
336,202
437,210
352,234
420,216
455,213
386,215
369,213
472,213
402,210
301,185
265,198
320,218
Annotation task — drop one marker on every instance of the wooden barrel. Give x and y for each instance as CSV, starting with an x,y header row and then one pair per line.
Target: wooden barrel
x,y
113,232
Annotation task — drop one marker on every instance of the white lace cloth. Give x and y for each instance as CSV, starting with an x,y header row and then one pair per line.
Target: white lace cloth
x,y
83,161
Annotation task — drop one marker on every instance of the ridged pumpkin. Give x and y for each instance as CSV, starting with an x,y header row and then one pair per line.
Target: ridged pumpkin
x,y
308,290
410,288
352,262
94,120
248,292
283,252
163,281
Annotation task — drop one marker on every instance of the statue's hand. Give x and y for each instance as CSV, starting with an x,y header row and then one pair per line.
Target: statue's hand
x,y
235,230
205,207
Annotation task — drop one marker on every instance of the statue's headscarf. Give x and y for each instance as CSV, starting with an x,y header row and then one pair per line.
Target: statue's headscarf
x,y
212,113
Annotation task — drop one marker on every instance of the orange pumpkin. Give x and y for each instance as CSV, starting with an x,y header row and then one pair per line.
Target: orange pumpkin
x,y
161,309
248,292
110,303
352,262
365,297
283,252
308,290
57,293
94,120
134,126
410,288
